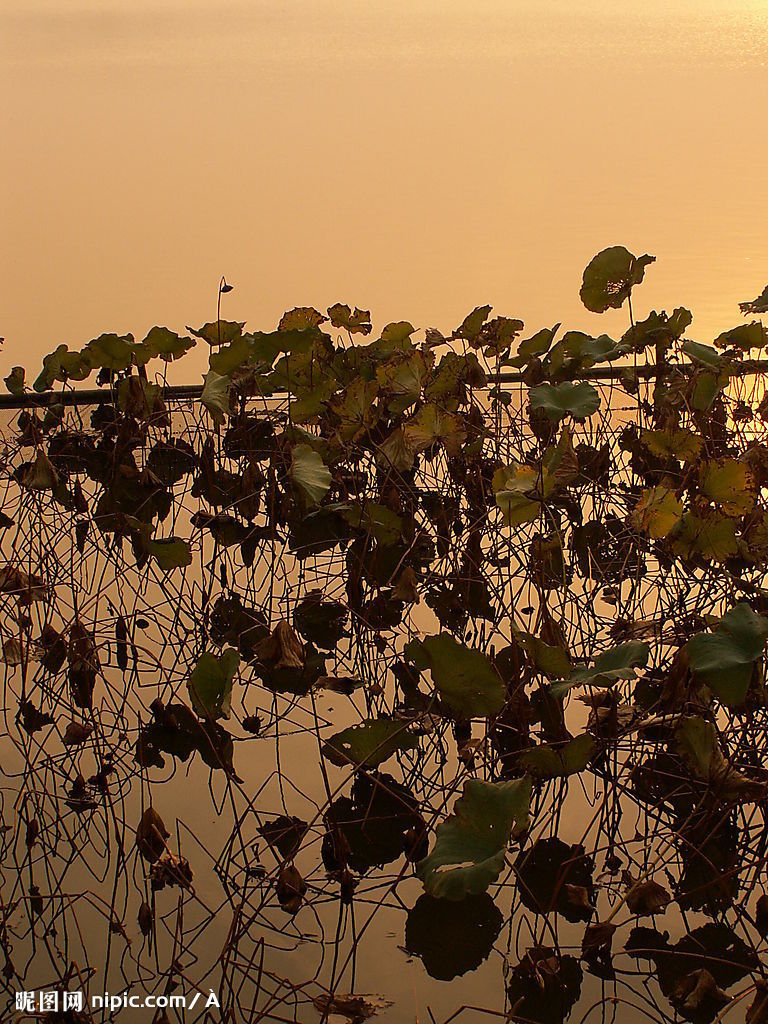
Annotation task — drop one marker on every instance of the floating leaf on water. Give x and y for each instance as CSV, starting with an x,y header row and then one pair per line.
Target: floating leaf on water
x,y
284,834
354,1008
471,844
321,620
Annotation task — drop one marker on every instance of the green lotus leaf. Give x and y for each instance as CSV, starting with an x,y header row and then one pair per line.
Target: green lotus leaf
x,y
698,745
465,678
729,483
219,332
369,744
703,354
711,537
658,329
430,425
610,277
375,519
358,322
745,336
657,512
14,382
470,845
549,762
215,395
356,409
115,352
211,681
472,324
724,659
170,552
512,487
309,474
537,345
558,400
162,342
62,365
608,668
300,318
683,445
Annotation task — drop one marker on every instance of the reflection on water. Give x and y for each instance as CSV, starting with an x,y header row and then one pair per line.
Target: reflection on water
x,y
274,874
414,158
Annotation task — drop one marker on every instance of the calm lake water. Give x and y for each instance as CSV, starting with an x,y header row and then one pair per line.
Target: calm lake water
x,y
415,158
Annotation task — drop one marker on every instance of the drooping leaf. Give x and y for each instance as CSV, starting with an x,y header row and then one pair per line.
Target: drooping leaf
x,y
40,475
470,845
309,474
357,322
215,395
745,336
